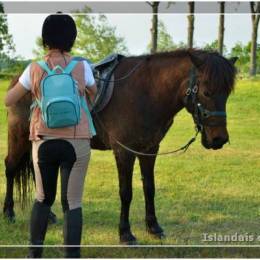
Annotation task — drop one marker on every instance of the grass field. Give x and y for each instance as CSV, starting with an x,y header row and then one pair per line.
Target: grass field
x,y
201,191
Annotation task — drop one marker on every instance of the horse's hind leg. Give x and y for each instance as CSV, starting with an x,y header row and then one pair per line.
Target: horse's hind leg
x,y
125,162
147,170
18,148
9,201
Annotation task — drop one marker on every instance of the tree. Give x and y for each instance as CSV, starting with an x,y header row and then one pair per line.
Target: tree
x,y
164,41
213,46
243,53
95,40
221,28
255,10
39,52
191,24
6,41
154,29
10,67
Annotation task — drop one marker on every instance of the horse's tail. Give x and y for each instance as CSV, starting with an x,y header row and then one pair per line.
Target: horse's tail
x,y
24,179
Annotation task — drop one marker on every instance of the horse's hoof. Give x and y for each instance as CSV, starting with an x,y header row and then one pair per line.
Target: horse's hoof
x,y
156,231
128,239
159,235
9,215
52,218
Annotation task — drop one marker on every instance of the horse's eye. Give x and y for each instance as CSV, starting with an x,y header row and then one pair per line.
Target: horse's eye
x,y
206,94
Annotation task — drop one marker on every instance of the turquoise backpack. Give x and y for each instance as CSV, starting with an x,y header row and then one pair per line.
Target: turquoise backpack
x,y
61,102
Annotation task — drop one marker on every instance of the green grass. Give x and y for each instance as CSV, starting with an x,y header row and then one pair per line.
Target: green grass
x,y
201,191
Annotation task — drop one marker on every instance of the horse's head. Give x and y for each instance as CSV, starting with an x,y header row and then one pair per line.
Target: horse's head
x,y
211,81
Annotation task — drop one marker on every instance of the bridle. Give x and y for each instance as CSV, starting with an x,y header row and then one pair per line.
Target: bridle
x,y
200,114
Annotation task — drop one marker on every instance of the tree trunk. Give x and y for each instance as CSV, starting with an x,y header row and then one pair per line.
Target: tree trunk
x,y
253,50
191,24
154,29
221,28
255,8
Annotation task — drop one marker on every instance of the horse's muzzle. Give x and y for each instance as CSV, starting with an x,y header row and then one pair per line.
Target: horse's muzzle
x,y
215,144
218,143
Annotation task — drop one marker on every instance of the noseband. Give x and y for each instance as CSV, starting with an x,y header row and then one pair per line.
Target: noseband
x,y
200,113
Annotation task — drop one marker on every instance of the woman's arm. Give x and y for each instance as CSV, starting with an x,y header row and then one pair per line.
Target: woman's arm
x,y
15,94
92,91
91,87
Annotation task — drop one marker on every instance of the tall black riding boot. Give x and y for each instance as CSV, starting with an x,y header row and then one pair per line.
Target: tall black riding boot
x,y
72,232
38,228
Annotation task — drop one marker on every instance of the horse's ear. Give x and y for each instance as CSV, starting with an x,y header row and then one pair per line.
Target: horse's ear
x,y
196,60
233,60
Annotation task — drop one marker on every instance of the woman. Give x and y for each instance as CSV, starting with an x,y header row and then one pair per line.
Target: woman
x,y
66,149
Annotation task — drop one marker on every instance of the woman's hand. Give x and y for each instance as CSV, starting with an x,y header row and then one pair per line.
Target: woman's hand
x,y
15,94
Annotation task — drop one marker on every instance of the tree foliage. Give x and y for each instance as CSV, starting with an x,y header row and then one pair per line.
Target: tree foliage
x,y
7,64
243,53
39,52
96,38
6,41
214,46
10,67
165,42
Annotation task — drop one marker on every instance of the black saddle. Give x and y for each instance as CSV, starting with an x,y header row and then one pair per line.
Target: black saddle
x,y
103,72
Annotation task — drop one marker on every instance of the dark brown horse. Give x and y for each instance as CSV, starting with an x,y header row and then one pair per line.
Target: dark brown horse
x,y
139,115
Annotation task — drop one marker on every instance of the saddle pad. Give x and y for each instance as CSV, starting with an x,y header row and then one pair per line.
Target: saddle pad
x,y
107,96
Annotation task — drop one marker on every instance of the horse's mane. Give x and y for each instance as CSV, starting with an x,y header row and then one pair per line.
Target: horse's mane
x,y
218,71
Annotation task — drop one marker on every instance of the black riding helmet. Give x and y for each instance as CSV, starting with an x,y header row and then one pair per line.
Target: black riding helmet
x,y
59,32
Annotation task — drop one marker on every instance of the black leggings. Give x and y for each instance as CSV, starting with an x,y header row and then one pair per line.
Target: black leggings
x,y
71,156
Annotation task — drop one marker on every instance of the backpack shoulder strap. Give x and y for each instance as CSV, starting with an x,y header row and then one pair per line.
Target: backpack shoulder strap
x,y
70,67
90,121
44,66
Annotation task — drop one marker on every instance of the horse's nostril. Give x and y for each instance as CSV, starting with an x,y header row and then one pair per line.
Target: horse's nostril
x,y
217,141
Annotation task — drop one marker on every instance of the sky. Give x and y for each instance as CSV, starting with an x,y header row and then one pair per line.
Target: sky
x,y
135,28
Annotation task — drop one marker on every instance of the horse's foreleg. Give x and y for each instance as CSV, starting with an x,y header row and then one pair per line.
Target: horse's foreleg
x,y
125,162
147,170
9,201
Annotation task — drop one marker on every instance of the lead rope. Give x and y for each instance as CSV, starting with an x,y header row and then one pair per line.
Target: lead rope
x,y
183,148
